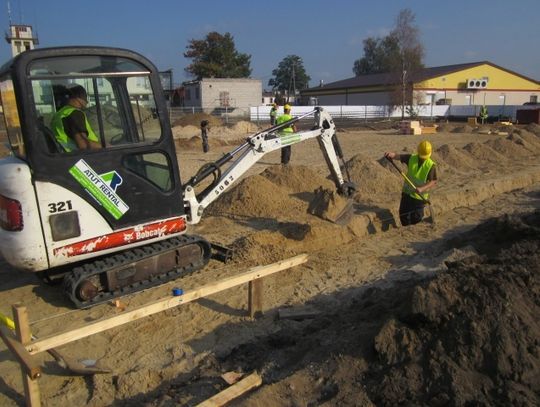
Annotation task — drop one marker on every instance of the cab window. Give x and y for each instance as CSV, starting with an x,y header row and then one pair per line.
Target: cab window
x,y
119,108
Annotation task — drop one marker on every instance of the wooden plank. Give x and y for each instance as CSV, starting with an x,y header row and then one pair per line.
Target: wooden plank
x,y
255,295
22,328
54,341
234,391
27,361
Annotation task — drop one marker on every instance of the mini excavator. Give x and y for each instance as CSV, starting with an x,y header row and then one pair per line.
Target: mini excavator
x,y
113,221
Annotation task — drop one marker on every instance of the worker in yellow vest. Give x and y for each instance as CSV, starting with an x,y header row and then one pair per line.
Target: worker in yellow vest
x,y
483,113
283,133
422,171
273,114
70,124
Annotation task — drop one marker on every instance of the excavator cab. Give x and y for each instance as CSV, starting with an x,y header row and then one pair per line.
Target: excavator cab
x,y
62,205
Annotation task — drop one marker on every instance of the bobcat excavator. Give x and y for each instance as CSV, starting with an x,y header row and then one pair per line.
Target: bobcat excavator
x,y
112,221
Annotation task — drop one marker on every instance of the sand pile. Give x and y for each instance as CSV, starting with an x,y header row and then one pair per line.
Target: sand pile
x,y
297,178
219,135
375,180
527,135
450,156
511,146
484,153
258,197
462,129
533,128
196,119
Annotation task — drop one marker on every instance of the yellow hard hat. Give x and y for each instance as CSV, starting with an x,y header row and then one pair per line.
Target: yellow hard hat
x,y
287,107
424,149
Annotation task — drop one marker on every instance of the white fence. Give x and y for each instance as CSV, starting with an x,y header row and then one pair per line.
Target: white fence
x,y
262,113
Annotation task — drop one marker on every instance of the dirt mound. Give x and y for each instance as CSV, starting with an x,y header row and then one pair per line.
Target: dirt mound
x,y
466,336
454,158
511,146
297,178
533,128
244,127
269,245
186,131
462,129
257,196
528,137
373,179
196,119
483,153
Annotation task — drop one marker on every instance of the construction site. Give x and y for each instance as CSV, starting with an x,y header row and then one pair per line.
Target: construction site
x,y
444,312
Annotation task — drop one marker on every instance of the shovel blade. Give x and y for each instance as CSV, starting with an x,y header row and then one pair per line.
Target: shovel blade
x,y
80,367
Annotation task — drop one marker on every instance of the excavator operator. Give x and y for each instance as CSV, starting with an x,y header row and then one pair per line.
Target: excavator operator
x,y
70,124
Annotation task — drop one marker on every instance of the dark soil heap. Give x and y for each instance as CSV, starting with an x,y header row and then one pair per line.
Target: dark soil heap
x,y
467,336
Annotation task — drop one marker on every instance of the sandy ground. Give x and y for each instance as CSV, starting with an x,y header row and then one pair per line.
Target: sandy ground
x,y
380,290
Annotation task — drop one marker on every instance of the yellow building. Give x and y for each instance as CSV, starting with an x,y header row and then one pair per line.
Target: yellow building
x,y
475,84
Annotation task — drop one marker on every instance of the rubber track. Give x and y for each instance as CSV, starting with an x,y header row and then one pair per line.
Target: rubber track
x,y
73,279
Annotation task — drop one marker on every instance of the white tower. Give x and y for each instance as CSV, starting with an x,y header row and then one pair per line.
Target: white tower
x,y
21,38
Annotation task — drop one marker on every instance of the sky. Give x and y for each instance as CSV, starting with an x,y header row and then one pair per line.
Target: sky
x,y
327,35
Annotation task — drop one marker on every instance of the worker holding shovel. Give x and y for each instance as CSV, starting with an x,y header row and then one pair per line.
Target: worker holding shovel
x,y
421,177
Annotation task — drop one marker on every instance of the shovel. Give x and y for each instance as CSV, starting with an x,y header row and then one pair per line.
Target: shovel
x,y
431,218
83,367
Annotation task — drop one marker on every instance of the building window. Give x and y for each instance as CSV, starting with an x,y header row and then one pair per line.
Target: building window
x,y
188,94
534,99
224,100
196,93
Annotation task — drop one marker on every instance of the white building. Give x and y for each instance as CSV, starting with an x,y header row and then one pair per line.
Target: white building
x,y
231,95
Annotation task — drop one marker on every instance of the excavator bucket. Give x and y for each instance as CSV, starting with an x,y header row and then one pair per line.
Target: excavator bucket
x,y
331,206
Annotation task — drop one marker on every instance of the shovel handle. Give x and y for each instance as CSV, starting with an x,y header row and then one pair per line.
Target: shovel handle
x,y
407,179
7,321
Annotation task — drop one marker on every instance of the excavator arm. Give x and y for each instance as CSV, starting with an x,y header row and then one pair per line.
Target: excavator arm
x,y
256,146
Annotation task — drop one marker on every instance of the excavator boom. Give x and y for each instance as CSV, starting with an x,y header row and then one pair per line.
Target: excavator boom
x,y
256,147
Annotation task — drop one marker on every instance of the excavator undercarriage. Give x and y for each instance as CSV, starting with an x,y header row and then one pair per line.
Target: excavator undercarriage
x,y
135,270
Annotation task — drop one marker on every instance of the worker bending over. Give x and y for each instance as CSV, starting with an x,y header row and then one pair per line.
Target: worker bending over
x,y
422,171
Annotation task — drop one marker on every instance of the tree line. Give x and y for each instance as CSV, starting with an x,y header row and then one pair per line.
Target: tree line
x,y
399,54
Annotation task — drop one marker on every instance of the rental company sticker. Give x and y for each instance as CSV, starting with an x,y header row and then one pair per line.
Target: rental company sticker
x,y
101,187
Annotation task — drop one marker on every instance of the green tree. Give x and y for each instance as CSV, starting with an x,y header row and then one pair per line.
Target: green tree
x,y
380,56
216,57
289,76
400,54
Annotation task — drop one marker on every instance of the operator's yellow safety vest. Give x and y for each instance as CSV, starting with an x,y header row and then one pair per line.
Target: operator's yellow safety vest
x,y
57,125
282,119
418,175
273,112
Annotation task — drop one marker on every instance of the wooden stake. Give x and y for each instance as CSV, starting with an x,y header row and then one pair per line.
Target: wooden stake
x,y
27,361
22,328
255,294
234,391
